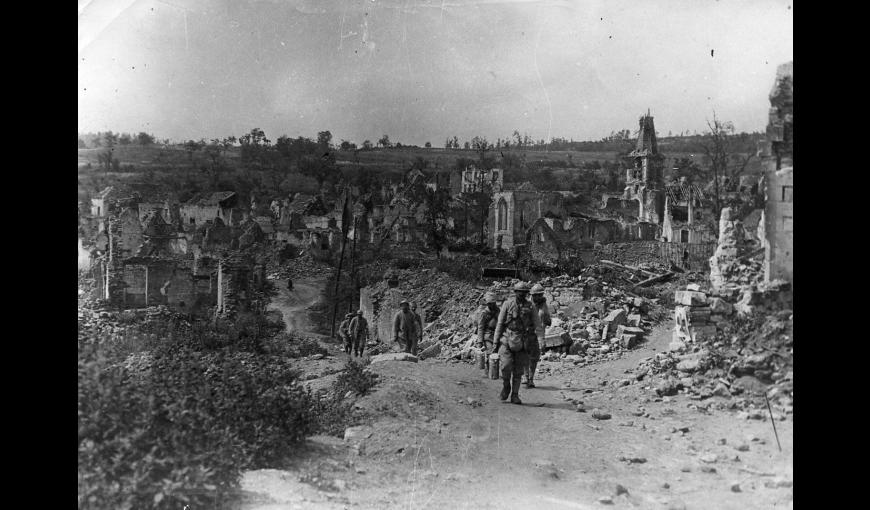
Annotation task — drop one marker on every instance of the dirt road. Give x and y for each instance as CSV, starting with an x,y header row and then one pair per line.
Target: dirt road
x,y
294,304
442,439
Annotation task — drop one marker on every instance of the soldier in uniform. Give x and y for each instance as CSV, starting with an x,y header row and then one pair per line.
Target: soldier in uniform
x,y
343,332
543,311
405,328
359,332
486,326
517,321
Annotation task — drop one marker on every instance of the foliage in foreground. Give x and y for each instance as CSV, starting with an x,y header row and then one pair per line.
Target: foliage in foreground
x,y
181,426
175,418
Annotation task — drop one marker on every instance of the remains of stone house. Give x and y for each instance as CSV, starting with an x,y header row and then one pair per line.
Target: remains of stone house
x,y
209,206
475,180
687,211
514,211
778,164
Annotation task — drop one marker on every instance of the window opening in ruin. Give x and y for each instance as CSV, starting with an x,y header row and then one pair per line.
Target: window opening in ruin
x,y
98,211
787,223
193,221
502,215
787,193
684,236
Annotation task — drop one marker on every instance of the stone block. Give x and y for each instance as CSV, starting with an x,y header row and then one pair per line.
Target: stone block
x,y
690,298
629,341
694,287
720,306
394,356
431,352
615,317
704,332
634,320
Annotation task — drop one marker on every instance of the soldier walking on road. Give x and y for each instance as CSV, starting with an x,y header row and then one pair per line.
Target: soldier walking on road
x,y
517,321
405,328
359,332
486,327
344,334
543,312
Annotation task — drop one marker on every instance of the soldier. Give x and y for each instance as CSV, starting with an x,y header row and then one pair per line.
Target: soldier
x,y
419,324
405,328
486,326
359,332
343,333
543,311
520,318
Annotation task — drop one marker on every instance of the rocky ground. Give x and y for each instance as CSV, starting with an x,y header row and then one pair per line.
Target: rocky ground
x,y
582,439
596,432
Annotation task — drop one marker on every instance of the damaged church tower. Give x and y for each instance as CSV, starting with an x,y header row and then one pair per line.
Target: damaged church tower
x,y
644,178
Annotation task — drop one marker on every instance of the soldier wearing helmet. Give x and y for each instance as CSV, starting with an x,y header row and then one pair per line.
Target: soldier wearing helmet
x,y
486,325
517,322
405,328
543,312
359,332
344,333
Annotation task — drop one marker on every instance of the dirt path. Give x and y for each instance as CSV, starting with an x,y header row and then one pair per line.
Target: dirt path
x,y
442,439
294,304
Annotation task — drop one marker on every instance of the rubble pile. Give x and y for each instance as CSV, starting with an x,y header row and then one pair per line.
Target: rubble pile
x,y
595,318
718,352
303,266
732,266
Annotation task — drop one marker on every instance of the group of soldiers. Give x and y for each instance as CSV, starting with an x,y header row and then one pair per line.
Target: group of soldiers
x,y
354,331
515,332
407,329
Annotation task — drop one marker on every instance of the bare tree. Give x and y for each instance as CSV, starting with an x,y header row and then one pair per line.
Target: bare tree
x,y
726,164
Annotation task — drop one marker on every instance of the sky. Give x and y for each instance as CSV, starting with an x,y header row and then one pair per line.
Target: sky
x,y
426,70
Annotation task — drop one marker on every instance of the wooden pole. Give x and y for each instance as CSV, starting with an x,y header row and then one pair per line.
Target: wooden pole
x,y
337,280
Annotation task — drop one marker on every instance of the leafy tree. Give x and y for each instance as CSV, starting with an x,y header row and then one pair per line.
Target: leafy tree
x,y
384,141
347,146
82,144
455,142
482,146
144,138
428,145
254,146
467,145
125,139
367,145
110,139
324,139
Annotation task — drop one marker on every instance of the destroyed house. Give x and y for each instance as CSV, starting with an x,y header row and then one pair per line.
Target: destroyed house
x,y
514,211
208,206
111,200
687,214
477,180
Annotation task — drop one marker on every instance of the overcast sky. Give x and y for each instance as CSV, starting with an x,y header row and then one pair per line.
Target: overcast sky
x,y
427,69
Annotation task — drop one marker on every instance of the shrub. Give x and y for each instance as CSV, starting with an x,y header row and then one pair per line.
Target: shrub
x,y
355,378
182,429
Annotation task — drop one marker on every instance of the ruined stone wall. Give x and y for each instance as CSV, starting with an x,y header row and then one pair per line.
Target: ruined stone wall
x,y
778,162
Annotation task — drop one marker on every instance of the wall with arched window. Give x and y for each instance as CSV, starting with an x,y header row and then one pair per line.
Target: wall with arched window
x,y
502,211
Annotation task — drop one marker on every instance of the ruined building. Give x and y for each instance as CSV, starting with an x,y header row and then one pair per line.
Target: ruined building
x,y
778,165
475,180
514,211
687,214
644,179
208,206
